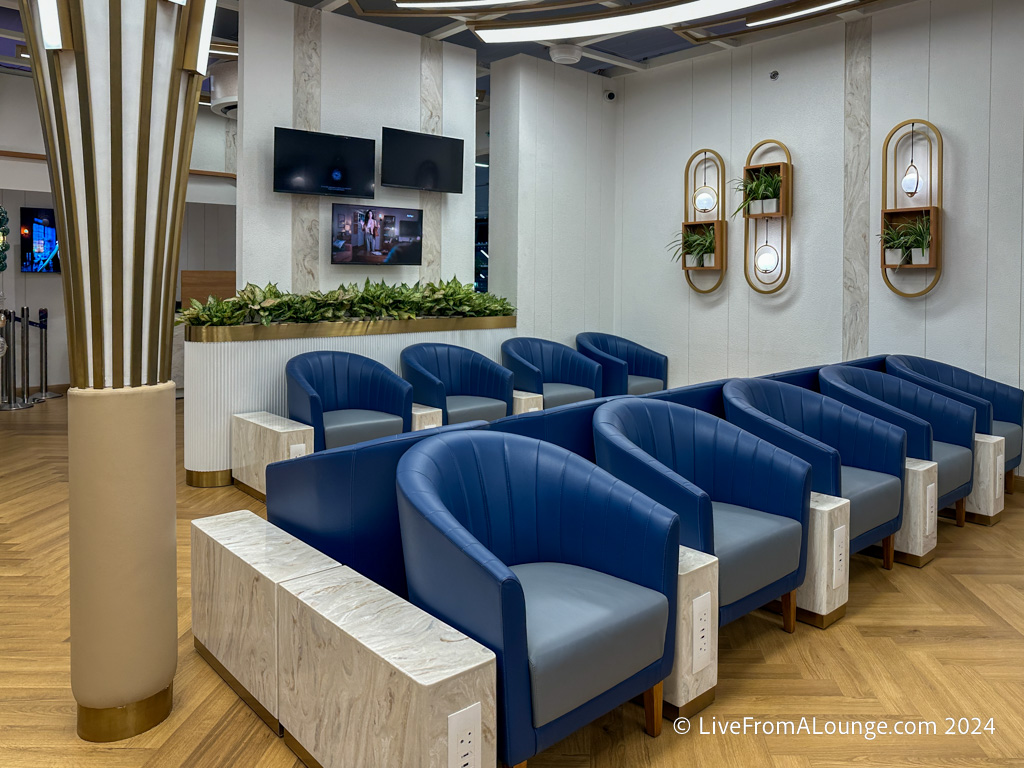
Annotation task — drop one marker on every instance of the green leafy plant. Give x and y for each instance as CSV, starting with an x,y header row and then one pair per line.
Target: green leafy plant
x,y
347,303
918,232
694,242
894,238
763,184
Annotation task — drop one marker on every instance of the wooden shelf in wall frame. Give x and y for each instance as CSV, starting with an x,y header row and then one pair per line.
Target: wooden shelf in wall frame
x,y
894,216
785,171
721,232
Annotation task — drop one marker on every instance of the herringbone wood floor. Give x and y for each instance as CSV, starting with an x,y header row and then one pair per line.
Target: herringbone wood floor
x,y
944,641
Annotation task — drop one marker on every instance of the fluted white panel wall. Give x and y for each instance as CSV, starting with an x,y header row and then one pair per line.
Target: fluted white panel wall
x,y
232,377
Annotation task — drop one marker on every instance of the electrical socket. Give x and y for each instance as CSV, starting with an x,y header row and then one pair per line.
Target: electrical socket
x,y
931,508
840,554
701,631
297,450
464,737
1000,465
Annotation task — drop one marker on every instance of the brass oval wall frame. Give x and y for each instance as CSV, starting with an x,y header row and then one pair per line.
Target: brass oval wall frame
x,y
933,209
706,156
784,216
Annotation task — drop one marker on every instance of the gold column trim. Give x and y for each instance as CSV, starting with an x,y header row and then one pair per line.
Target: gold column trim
x,y
216,478
117,723
256,332
117,198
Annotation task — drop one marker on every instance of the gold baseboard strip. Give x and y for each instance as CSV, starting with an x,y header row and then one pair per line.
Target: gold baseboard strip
x,y
691,708
117,723
973,517
215,479
821,621
250,490
257,332
300,751
250,700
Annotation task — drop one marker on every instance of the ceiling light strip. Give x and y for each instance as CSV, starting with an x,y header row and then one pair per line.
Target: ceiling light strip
x,y
799,13
455,3
613,23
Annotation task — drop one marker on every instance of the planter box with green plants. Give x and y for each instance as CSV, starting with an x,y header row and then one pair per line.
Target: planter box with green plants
x,y
909,238
269,312
765,190
700,245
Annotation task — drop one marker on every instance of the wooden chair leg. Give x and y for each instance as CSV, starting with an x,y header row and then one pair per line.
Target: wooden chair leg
x,y
653,700
889,551
789,612
1008,483
961,513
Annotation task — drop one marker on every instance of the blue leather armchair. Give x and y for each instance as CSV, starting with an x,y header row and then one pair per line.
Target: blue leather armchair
x,y
627,367
706,397
566,574
567,426
852,454
464,384
808,377
342,501
347,398
999,406
738,497
938,429
554,370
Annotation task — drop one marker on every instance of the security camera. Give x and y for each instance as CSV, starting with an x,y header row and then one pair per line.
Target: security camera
x,y
609,95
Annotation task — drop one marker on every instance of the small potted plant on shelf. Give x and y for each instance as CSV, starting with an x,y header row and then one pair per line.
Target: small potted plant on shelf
x,y
919,239
894,240
697,246
761,191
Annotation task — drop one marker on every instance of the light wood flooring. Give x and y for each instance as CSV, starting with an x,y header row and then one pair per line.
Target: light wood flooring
x,y
943,641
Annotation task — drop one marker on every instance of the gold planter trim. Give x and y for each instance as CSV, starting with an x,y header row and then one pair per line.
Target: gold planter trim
x,y
216,478
117,723
257,332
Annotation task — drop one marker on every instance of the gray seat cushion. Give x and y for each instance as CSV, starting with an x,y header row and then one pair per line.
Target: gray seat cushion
x,y
556,393
641,385
955,465
470,408
586,632
355,425
1012,433
874,498
753,548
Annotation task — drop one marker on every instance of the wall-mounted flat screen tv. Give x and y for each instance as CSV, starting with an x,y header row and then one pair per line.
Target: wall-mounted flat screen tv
x,y
310,163
39,251
372,234
421,161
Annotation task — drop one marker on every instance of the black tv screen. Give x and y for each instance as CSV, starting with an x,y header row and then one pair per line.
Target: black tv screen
x,y
421,161
371,234
310,163
39,251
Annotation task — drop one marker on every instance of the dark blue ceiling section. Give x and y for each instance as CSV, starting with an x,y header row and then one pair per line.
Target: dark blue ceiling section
x,y
644,44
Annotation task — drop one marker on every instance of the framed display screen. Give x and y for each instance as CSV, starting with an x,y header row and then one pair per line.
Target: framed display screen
x,y
369,234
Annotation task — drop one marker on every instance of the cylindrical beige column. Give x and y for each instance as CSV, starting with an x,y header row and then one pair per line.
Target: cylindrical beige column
x,y
123,567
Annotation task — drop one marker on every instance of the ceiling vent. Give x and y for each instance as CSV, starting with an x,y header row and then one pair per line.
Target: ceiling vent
x,y
224,89
565,54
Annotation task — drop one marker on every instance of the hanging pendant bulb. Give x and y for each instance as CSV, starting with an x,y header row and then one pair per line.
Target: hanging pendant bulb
x,y
766,258
912,178
705,199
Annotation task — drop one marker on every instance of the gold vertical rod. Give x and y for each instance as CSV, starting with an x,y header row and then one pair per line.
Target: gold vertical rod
x,y
194,85
91,188
53,169
159,292
141,189
80,374
117,197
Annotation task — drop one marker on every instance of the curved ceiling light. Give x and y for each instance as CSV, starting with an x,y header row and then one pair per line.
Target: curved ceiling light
x,y
614,22
790,15
455,3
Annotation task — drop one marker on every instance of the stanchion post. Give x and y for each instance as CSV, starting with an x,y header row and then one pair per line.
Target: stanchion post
x,y
24,357
44,363
10,368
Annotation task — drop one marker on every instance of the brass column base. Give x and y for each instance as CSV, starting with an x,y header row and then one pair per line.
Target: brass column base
x,y
214,479
973,517
300,751
116,723
821,621
905,558
690,708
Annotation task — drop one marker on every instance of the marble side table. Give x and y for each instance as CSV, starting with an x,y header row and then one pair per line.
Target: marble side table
x,y
525,402
238,559
986,500
368,679
917,538
690,687
425,417
821,599
259,439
